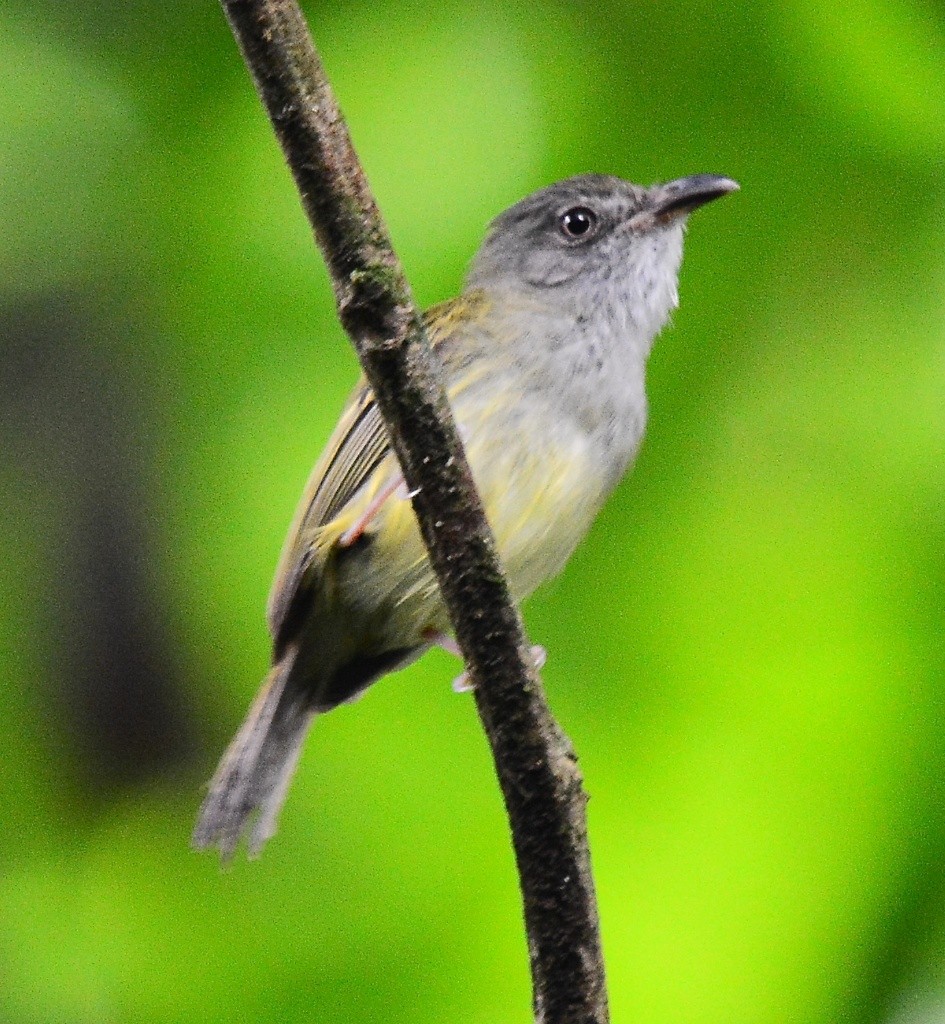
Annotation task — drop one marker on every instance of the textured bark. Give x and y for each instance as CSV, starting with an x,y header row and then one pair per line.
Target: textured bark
x,y
534,760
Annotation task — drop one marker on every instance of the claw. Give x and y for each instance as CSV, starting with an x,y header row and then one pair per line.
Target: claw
x,y
462,684
540,656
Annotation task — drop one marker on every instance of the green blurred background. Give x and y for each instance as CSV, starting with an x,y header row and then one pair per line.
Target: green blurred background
x,y
747,651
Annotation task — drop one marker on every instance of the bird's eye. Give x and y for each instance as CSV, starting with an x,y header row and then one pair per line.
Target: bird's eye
x,y
578,222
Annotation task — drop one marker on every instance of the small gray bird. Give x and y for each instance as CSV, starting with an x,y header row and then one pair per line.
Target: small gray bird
x,y
543,356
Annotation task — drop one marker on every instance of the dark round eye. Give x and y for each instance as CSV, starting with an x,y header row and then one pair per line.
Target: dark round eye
x,y
578,222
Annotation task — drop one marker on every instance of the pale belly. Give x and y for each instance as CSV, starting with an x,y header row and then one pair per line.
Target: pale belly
x,y
540,503
540,498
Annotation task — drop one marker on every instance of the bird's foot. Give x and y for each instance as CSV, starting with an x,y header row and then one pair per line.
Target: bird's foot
x,y
462,683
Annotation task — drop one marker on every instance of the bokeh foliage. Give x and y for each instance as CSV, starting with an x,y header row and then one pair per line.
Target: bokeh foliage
x,y
748,650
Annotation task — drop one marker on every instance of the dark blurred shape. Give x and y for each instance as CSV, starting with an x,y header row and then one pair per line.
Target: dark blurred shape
x,y
72,418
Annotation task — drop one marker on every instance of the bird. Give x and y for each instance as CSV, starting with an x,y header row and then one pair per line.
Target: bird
x,y
543,356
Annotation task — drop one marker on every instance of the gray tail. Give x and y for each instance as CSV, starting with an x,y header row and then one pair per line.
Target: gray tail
x,y
249,787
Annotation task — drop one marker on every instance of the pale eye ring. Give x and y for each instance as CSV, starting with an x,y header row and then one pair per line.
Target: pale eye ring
x,y
578,223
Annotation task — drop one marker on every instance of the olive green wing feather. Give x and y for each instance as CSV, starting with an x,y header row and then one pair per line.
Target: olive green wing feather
x,y
355,452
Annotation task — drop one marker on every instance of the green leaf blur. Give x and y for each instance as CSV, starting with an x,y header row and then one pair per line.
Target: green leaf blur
x,y
748,651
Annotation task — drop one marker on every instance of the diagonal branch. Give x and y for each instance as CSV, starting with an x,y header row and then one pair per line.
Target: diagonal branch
x,y
534,760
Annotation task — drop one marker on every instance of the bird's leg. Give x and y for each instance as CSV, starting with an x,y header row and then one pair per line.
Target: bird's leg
x,y
396,483
356,530
462,684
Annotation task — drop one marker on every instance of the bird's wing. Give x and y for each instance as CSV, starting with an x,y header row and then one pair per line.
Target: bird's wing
x,y
357,450
354,452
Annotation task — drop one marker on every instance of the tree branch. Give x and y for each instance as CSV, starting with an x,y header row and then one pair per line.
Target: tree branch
x,y
534,760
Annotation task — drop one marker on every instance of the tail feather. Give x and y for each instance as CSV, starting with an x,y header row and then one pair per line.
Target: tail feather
x,y
249,787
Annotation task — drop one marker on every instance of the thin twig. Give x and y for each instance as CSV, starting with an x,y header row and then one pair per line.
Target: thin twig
x,y
534,760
